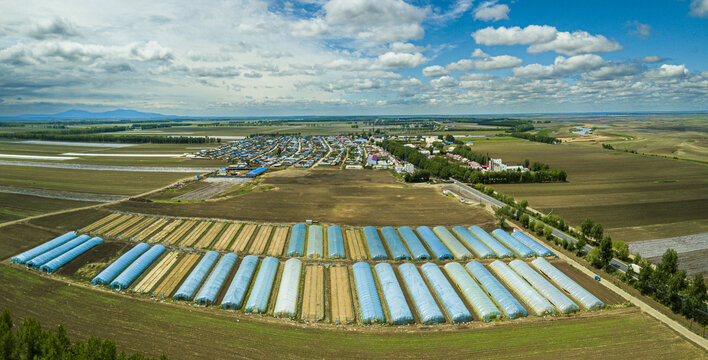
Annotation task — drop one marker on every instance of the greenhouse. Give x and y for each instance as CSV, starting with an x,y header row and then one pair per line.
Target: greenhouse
x,y
376,248
393,295
314,241
491,243
481,250
370,310
534,245
132,272
422,298
109,273
529,295
207,295
455,246
555,296
507,303
286,302
258,300
416,247
335,243
239,285
472,292
455,308
513,244
64,258
296,247
439,250
398,250
38,250
196,277
56,252
588,300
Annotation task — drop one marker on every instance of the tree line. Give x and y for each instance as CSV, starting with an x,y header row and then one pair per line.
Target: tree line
x,y
30,341
536,137
100,138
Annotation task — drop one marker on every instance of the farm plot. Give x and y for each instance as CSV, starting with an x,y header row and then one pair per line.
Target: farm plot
x,y
210,235
100,222
179,233
165,231
226,237
313,294
195,234
158,272
277,244
355,242
169,284
244,236
149,220
341,296
259,244
111,224
118,230
153,227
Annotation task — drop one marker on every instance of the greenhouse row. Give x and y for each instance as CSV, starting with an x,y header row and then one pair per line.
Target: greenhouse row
x,y
53,254
301,240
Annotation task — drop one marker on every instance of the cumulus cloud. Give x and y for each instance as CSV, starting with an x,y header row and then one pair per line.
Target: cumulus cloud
x,y
561,66
443,82
40,52
651,59
435,71
376,20
638,29
396,61
458,9
57,29
699,8
311,28
405,47
546,38
614,71
491,11
479,53
486,63
668,72
476,77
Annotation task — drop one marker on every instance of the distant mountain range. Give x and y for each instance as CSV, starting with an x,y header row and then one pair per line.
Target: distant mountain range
x,y
81,114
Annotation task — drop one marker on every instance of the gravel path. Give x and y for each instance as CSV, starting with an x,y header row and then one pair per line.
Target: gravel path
x,y
109,167
66,195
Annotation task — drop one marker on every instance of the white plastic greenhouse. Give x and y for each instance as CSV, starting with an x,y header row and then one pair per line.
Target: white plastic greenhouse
x,y
286,302
472,292
370,310
534,245
492,243
588,300
528,294
481,250
314,241
416,247
239,285
393,295
422,298
555,296
455,246
207,295
455,308
507,302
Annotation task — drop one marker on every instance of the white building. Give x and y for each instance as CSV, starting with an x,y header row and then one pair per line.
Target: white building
x,y
498,165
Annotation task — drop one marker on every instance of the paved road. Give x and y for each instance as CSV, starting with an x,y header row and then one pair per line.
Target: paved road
x,y
486,198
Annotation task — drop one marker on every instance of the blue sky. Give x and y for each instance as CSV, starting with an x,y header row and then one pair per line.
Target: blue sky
x,y
341,57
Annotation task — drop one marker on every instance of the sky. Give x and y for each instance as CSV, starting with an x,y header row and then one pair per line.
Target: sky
x,y
353,57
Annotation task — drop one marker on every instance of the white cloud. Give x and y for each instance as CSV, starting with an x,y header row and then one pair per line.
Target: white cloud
x,y
486,63
561,66
435,71
668,72
476,77
638,29
614,71
650,59
546,38
405,47
312,28
376,20
479,53
443,82
396,61
461,65
491,11
57,29
699,8
458,9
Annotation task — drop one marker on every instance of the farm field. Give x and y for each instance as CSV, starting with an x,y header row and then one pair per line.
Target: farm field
x,y
635,197
182,331
18,206
351,197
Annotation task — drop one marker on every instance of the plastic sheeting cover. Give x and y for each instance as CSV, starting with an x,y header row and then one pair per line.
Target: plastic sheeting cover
x,y
528,294
64,258
374,243
534,245
48,256
297,240
393,295
286,302
196,277
207,294
513,244
37,250
452,303
398,250
132,272
492,243
109,273
422,298
314,241
417,249
507,303
455,246
239,285
258,301
555,296
370,309
439,250
472,292
587,299
335,242
477,246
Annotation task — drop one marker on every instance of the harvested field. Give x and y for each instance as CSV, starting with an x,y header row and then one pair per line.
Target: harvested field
x,y
243,238
180,232
155,226
15,206
165,231
340,295
211,189
210,235
277,243
150,280
118,230
195,234
148,221
657,247
352,197
313,294
62,195
99,223
259,243
226,237
174,278
112,224
355,244
694,262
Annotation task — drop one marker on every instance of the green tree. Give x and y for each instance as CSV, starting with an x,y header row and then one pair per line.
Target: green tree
x,y
580,246
586,226
7,339
606,251
593,257
526,163
597,231
644,283
524,220
668,265
523,204
621,249
548,232
449,138
539,228
628,276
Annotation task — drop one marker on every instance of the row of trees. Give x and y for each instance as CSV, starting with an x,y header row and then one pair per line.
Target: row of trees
x,y
536,137
132,139
30,341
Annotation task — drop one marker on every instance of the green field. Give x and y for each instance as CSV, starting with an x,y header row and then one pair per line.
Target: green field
x,y
17,206
183,333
